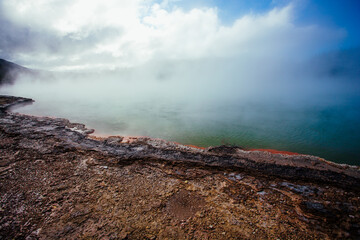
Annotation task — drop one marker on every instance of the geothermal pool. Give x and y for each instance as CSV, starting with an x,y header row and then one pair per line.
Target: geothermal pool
x,y
326,125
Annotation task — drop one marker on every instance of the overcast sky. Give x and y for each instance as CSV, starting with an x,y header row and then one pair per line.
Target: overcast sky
x,y
112,34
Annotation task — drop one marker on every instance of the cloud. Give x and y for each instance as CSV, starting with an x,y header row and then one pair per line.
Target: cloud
x,y
83,34
180,71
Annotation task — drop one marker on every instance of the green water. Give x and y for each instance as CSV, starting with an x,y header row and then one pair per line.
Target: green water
x,y
331,131
321,120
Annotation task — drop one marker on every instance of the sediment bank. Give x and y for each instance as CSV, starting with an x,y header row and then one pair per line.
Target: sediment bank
x,y
57,181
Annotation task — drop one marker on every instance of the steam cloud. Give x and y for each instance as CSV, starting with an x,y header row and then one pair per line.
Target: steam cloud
x,y
144,67
75,35
147,42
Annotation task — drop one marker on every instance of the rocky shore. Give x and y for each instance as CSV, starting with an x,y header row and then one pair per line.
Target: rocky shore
x,y
57,181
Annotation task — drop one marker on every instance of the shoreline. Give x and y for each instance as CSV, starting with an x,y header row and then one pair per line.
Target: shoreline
x,y
256,159
338,159
59,181
132,138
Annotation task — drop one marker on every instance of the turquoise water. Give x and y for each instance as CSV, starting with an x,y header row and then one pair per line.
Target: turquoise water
x,y
327,125
331,132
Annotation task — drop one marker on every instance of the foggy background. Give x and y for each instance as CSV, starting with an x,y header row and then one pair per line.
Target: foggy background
x,y
157,69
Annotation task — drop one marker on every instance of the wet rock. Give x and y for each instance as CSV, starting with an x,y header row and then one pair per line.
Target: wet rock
x,y
300,189
315,207
6,102
224,149
56,178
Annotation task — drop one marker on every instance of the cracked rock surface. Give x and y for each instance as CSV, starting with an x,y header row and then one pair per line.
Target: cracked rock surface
x,y
59,182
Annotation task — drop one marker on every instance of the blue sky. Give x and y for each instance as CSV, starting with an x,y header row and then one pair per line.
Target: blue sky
x,y
344,14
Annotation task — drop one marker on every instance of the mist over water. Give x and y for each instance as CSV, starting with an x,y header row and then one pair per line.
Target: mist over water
x,y
208,103
156,68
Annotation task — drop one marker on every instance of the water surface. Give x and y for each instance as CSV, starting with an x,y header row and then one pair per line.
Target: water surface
x,y
327,126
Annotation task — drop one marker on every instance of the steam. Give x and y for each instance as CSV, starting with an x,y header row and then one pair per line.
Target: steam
x,y
140,49
156,49
140,67
108,35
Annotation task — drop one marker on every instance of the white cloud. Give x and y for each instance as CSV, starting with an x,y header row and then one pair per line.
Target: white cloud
x,y
82,34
